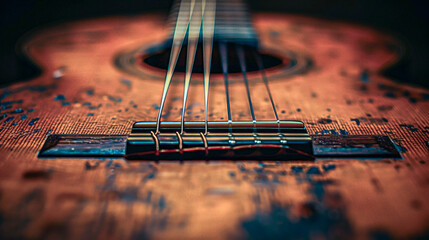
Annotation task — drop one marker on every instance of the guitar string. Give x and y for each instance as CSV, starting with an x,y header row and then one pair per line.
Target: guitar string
x,y
209,10
242,61
261,67
193,27
224,63
193,36
180,30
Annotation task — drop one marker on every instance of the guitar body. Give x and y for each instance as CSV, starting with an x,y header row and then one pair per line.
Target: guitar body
x,y
84,89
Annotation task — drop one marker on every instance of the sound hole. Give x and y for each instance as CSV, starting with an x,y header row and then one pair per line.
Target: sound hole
x,y
159,60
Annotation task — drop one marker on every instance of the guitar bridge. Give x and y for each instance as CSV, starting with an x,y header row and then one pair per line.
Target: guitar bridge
x,y
286,140
283,140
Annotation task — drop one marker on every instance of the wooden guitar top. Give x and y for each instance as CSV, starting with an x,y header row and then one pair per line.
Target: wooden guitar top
x,y
83,91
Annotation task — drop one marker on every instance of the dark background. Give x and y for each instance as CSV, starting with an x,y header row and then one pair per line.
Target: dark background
x,y
406,19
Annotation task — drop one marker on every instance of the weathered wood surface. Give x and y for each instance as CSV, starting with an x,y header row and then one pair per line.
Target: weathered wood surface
x,y
82,92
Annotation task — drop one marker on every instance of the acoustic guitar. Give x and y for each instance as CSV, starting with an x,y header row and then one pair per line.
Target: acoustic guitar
x,y
213,125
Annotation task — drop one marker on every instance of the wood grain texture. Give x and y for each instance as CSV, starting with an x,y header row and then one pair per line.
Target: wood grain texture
x,y
82,92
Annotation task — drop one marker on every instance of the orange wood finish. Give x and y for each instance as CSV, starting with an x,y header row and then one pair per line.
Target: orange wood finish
x,y
81,91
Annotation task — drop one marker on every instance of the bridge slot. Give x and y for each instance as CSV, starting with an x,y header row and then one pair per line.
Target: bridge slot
x,y
287,140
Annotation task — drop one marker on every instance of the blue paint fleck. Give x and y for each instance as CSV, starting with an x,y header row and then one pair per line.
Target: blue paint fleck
x,y
364,77
24,116
129,194
193,105
333,132
33,121
6,107
30,110
151,175
36,130
110,178
91,165
156,106
356,120
65,103
109,163
343,132
114,99
241,167
90,114
329,167
8,119
149,197
410,127
11,102
231,174
90,92
296,169
60,98
166,115
94,107
18,110
162,204
325,121
313,171
318,189
126,82
324,131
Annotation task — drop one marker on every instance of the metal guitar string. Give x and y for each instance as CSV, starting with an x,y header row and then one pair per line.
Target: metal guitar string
x,y
182,24
202,15
224,60
193,36
242,61
209,13
261,67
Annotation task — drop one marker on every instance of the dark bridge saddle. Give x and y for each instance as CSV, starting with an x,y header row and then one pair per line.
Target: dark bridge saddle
x,y
225,140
